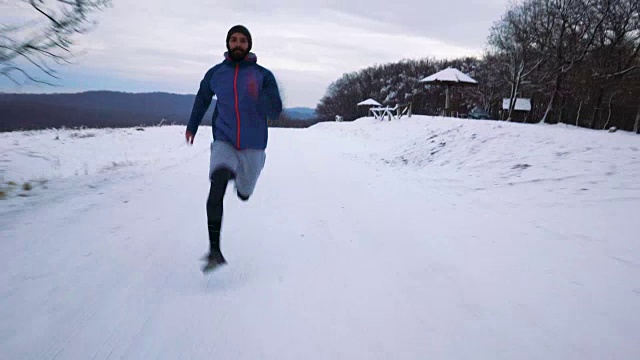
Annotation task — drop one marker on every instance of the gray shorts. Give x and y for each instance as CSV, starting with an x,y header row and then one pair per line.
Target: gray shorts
x,y
246,164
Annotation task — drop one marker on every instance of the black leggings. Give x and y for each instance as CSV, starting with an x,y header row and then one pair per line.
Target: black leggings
x,y
219,180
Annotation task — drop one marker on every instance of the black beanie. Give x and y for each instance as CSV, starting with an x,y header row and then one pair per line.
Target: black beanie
x,y
242,30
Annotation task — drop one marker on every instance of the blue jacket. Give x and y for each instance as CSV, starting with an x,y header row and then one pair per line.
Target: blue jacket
x,y
247,95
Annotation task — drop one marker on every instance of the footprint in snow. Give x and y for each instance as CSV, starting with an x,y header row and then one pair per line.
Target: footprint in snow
x,y
521,166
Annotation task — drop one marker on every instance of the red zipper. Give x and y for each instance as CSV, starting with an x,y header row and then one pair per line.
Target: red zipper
x,y
235,90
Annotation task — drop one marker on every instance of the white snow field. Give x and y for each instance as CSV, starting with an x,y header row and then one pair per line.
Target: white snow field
x,y
422,238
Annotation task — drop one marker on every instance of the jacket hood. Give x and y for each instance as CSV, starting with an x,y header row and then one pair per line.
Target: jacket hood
x,y
250,58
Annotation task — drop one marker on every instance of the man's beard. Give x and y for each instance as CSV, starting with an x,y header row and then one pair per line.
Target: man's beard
x,y
237,54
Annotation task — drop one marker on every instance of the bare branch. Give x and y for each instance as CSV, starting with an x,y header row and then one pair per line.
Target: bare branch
x,y
38,9
621,73
53,40
7,73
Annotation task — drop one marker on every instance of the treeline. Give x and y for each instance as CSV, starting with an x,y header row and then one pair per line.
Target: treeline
x,y
285,121
392,84
93,109
577,60
27,115
100,109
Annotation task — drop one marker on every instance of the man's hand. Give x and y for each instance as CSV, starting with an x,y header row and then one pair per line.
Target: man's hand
x,y
189,137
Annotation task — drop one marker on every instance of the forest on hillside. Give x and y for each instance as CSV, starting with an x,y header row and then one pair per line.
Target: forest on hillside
x,y
578,61
99,109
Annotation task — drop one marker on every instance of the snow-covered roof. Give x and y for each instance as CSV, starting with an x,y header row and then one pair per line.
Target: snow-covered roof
x,y
369,102
450,75
521,104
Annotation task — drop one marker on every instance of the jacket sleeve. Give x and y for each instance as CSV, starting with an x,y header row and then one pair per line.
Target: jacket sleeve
x,y
201,103
270,100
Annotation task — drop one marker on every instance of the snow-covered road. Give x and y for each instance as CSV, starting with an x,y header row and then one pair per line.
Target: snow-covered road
x,y
345,251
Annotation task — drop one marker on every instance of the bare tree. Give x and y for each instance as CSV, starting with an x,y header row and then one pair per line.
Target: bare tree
x,y
491,84
618,51
36,46
579,57
517,48
566,30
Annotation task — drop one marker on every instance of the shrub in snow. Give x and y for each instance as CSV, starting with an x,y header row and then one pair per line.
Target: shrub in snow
x,y
82,136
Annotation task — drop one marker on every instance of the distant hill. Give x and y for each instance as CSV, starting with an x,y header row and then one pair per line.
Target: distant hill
x,y
107,109
301,113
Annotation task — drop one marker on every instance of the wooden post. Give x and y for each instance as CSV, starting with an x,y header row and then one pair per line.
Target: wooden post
x,y
636,126
446,103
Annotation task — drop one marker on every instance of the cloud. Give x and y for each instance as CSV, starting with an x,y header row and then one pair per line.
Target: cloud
x,y
171,44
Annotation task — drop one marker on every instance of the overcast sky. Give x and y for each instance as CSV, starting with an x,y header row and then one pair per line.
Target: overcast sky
x,y
168,45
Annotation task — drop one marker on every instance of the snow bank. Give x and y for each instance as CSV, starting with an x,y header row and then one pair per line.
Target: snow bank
x,y
482,154
80,157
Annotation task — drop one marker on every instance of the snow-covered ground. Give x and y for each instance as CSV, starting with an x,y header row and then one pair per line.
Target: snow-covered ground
x,y
422,238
